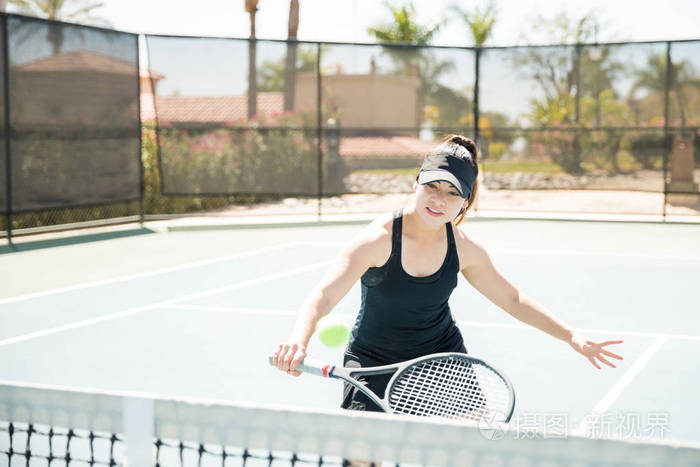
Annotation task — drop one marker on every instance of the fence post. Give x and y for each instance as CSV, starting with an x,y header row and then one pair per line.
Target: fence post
x,y
477,58
140,126
576,162
319,130
7,129
667,136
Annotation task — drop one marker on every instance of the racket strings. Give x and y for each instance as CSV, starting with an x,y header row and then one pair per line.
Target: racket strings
x,y
450,387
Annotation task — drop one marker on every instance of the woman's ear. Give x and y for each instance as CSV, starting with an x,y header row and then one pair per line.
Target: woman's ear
x,y
415,184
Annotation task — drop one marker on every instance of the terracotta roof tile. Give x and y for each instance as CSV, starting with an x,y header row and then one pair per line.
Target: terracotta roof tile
x,y
80,60
222,109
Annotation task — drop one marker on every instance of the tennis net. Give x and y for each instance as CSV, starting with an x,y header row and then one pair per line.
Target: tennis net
x,y
60,427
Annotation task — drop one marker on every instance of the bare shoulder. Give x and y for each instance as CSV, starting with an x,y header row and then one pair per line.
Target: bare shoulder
x,y
373,243
469,251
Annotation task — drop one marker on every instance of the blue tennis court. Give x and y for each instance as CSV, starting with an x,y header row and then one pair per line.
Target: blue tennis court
x,y
195,313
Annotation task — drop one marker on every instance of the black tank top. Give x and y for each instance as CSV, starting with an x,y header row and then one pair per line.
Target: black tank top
x,y
403,316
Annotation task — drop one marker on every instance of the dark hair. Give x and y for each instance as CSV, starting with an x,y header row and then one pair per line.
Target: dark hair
x,y
470,146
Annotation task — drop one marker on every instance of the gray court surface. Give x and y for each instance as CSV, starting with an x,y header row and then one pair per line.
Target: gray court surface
x,y
196,314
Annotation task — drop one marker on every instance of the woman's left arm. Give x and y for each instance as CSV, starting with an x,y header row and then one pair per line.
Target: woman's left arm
x,y
483,275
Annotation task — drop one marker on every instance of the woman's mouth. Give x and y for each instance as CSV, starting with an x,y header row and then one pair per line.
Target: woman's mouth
x,y
433,212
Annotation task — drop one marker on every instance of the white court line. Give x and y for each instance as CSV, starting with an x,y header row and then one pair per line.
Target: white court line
x,y
552,252
612,395
164,303
250,311
604,254
225,309
140,275
613,332
473,324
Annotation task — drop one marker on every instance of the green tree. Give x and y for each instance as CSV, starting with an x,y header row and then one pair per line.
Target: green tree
x,y
558,73
403,28
562,29
480,22
290,65
653,79
59,10
273,75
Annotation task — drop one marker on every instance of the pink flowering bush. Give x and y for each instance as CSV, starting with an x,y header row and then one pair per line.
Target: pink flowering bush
x,y
274,154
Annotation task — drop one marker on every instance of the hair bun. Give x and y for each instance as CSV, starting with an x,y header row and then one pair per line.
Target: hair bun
x,y
465,143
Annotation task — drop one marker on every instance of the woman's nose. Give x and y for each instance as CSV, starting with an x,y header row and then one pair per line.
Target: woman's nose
x,y
440,197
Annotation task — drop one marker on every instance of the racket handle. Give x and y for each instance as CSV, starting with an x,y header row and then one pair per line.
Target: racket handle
x,y
313,366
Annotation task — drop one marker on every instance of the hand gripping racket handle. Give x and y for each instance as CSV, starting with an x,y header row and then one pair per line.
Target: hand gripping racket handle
x,y
314,367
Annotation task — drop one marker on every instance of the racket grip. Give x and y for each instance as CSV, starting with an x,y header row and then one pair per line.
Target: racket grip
x,y
313,366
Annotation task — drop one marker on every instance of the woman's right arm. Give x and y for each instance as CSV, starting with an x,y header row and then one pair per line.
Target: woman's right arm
x,y
370,248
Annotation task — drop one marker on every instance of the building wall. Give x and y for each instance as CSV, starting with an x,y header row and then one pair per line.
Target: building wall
x,y
363,100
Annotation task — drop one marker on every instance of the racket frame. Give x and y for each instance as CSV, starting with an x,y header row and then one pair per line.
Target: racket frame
x,y
348,375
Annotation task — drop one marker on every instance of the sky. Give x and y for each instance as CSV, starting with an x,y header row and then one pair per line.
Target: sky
x,y
347,20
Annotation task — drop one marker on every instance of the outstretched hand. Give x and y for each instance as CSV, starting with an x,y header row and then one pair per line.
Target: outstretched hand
x,y
594,350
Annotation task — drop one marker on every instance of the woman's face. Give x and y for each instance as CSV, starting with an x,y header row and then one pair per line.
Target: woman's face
x,y
438,202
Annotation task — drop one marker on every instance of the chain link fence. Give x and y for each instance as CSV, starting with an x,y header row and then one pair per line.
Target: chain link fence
x,y
92,135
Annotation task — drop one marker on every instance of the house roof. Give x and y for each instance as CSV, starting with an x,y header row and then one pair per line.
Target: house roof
x,y
228,109
80,60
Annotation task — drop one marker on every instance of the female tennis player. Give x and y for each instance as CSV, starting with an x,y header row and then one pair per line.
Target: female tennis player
x,y
408,262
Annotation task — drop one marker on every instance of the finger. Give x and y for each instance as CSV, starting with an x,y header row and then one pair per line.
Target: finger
x,y
294,373
276,354
298,358
604,360
595,364
289,356
610,354
281,362
610,343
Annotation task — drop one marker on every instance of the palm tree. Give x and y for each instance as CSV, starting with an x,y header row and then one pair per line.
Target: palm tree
x,y
251,6
653,78
290,68
272,74
403,28
58,10
480,24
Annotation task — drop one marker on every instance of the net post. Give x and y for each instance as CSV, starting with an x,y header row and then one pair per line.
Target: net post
x,y
138,425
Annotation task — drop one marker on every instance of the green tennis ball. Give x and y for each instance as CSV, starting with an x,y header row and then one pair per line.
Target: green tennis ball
x,y
332,331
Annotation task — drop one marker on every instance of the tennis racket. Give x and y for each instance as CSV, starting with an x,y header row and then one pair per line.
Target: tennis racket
x,y
450,385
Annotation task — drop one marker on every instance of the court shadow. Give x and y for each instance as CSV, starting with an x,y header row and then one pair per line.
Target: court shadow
x,y
72,240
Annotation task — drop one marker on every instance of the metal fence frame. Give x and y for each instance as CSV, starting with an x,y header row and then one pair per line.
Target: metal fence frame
x,y
8,212
320,128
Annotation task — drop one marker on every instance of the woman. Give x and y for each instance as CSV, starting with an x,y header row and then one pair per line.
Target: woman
x,y
408,263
